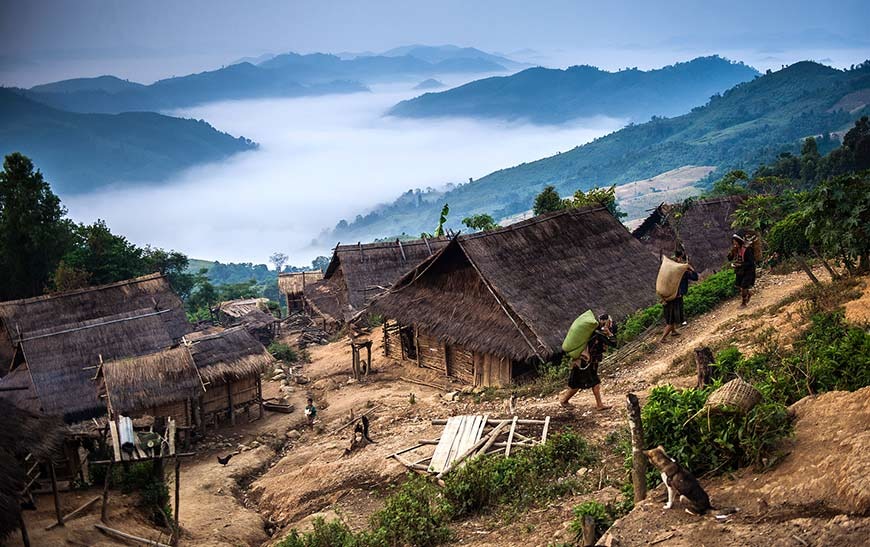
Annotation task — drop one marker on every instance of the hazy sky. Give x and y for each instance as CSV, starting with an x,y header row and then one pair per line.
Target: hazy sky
x,y
41,37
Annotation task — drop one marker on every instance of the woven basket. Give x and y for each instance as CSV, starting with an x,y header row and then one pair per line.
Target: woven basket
x,y
736,395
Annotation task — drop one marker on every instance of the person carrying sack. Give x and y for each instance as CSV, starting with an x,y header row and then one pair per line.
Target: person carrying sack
x,y
742,257
673,309
584,368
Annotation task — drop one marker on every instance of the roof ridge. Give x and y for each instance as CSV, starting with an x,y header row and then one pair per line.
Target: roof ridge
x,y
546,217
385,244
83,290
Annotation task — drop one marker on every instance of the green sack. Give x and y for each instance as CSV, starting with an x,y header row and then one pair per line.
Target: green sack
x,y
579,334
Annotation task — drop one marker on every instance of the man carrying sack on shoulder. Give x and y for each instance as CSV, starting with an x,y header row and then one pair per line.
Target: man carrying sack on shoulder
x,y
673,309
584,368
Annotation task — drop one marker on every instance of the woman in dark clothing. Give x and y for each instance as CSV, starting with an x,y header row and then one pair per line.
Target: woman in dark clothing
x,y
584,370
674,313
742,258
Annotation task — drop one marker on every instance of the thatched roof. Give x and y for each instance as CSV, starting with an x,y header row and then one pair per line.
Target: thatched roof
x,y
228,355
146,381
62,334
515,291
295,282
358,273
242,307
22,433
701,227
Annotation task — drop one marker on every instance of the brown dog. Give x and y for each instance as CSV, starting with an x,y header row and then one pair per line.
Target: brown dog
x,y
679,481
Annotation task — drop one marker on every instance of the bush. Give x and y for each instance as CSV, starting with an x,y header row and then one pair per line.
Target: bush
x,y
638,322
283,352
143,478
416,514
325,534
521,480
598,511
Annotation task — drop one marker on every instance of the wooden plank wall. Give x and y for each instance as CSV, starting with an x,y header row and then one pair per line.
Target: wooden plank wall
x,y
177,410
460,363
244,390
431,352
392,339
491,370
215,398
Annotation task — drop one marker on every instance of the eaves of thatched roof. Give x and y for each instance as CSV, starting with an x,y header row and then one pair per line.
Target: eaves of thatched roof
x,y
295,282
242,307
228,355
368,270
515,291
151,380
701,227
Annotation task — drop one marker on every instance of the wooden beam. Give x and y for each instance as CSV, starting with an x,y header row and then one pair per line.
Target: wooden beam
x,y
638,459
493,436
260,392
507,449
124,535
546,430
422,383
25,537
106,480
494,421
55,493
75,512
176,532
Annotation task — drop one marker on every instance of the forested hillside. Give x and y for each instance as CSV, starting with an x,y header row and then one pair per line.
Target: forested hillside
x,y
81,152
544,95
746,126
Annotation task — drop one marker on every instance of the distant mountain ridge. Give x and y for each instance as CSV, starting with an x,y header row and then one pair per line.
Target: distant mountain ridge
x,y
82,152
436,54
554,96
744,127
285,75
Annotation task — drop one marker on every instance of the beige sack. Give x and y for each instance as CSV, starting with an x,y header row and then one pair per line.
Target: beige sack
x,y
668,281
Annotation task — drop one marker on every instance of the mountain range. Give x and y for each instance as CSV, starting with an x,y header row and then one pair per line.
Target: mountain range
x,y
552,96
747,125
286,75
80,152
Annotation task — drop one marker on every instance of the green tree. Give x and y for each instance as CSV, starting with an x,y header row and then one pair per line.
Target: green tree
x,y
105,256
34,233
278,259
481,223
548,201
173,265
733,183
605,197
320,263
810,160
839,212
439,230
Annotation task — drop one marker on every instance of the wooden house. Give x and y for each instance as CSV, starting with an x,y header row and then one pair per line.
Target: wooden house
x,y
701,228
253,314
230,363
52,345
490,306
292,286
358,273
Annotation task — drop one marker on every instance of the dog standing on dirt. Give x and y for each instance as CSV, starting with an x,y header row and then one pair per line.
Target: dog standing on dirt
x,y
679,481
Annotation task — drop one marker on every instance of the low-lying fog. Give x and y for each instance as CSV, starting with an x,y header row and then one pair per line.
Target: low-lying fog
x,y
320,160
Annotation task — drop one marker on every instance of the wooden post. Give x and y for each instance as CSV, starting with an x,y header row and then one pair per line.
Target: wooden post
x,y
638,460
803,264
260,394
417,344
588,528
232,406
106,479
25,537
369,362
55,493
177,531
703,359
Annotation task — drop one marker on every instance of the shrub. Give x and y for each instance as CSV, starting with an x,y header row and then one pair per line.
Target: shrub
x,y
144,478
283,352
416,514
638,322
598,511
521,480
324,534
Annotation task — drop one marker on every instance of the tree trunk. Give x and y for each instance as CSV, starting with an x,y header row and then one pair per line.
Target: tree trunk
x,y
803,264
834,275
703,359
638,460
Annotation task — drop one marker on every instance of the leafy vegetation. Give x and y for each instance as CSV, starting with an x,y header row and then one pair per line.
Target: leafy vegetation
x,y
602,514
480,223
81,152
418,513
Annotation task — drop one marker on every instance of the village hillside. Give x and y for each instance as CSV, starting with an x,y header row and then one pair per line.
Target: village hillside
x,y
701,379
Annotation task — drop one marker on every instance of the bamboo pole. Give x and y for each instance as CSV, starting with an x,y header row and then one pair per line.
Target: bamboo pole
x,y
638,460
507,448
75,512
106,480
58,513
117,533
176,532
25,537
494,421
493,435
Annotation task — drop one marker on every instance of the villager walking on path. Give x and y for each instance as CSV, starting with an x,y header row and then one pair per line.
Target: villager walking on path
x,y
673,309
742,257
584,369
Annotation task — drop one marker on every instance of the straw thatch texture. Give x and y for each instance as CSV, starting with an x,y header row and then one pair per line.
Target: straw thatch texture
x,y
242,307
369,270
147,381
516,290
293,283
228,355
62,334
22,433
329,298
25,399
702,228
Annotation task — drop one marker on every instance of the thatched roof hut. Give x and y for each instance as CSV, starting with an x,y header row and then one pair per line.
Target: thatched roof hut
x,y
152,380
358,273
294,282
702,228
57,337
253,313
241,307
228,355
22,433
514,291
